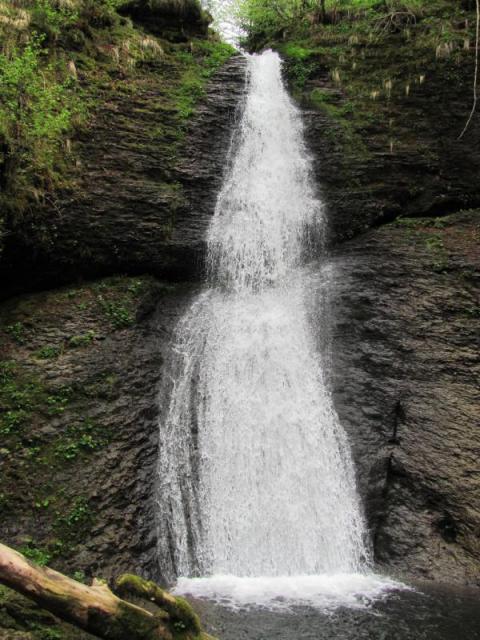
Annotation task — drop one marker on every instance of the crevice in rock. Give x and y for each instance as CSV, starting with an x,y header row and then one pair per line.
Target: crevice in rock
x,y
447,527
398,418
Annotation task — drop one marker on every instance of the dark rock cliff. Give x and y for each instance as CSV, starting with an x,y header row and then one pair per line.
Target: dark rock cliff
x,y
406,365
383,115
131,209
80,374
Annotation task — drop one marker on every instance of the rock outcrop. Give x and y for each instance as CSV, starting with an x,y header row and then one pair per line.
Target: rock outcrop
x,y
382,120
132,210
79,392
405,370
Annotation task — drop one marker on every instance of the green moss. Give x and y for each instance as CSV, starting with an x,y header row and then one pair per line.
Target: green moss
x,y
134,624
82,340
177,610
186,615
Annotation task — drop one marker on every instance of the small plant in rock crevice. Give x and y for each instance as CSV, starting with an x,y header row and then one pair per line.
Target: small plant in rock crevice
x,y
48,352
17,332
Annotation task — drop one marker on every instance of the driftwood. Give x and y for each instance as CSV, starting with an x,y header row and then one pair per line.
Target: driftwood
x,y
97,609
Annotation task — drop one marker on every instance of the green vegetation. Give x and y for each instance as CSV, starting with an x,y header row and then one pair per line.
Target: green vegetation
x,y
73,525
363,63
17,331
116,298
24,400
200,63
85,437
35,111
81,340
116,312
265,20
19,394
35,553
39,99
48,352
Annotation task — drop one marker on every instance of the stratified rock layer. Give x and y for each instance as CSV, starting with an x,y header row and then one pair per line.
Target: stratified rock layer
x,y
406,365
382,123
79,389
132,211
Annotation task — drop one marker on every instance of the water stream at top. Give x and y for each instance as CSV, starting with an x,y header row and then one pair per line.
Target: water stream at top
x,y
256,486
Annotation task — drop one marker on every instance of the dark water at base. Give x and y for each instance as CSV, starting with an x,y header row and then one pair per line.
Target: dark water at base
x,y
432,612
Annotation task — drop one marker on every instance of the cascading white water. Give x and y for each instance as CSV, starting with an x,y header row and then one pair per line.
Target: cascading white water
x,y
255,477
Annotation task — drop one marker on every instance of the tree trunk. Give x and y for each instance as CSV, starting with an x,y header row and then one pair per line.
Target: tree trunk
x,y
98,610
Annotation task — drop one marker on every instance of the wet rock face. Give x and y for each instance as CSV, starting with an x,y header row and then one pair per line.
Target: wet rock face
x,y
405,365
131,211
79,393
202,165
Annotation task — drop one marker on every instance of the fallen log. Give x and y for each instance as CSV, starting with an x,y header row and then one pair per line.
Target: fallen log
x,y
96,609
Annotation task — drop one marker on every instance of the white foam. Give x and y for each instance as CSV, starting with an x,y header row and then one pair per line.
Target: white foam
x,y
324,592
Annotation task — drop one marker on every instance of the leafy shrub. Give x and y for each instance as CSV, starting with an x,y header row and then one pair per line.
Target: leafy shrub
x,y
35,110
50,17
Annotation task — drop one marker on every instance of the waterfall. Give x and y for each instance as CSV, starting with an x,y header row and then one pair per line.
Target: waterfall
x,y
255,476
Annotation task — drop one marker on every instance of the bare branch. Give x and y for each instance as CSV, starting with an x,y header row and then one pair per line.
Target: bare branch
x,y
475,79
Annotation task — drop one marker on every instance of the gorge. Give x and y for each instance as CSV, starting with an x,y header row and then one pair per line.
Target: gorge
x,y
342,290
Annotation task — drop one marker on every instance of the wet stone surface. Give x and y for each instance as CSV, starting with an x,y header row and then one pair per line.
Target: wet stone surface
x,y
404,305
